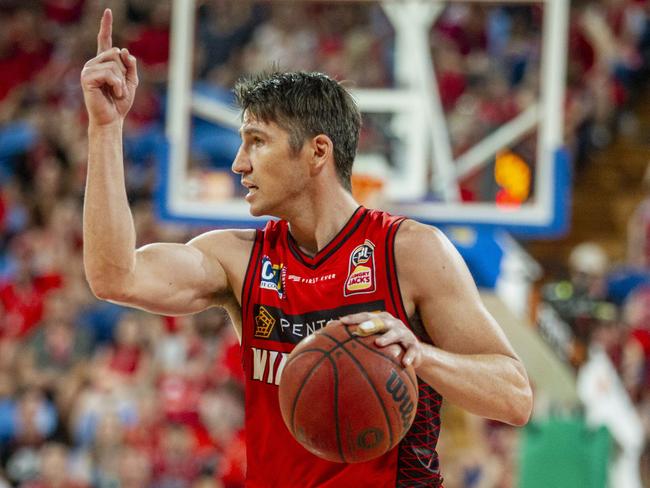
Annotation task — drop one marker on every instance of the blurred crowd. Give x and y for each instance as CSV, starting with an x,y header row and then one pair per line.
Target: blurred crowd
x,y
605,305
92,394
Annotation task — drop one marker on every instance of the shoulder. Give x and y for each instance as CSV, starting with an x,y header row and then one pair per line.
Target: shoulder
x,y
223,237
421,241
426,258
226,245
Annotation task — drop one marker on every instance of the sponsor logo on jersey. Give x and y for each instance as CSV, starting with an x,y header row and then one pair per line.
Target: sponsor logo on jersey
x,y
361,270
311,280
273,276
274,324
268,365
264,323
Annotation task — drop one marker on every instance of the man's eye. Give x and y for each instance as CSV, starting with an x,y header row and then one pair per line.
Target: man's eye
x,y
257,141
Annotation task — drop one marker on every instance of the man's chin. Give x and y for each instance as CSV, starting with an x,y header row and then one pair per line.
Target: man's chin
x,y
256,210
260,211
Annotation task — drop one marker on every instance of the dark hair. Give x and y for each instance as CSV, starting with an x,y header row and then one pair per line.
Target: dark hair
x,y
305,105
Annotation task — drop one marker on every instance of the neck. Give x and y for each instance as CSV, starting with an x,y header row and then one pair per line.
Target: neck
x,y
317,221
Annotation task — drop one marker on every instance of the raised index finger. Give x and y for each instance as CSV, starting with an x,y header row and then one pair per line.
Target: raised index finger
x,y
105,36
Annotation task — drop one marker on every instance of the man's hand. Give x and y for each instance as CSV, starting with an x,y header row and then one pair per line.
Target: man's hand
x,y
391,331
109,80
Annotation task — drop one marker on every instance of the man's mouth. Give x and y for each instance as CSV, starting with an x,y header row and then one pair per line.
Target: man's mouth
x,y
248,185
251,189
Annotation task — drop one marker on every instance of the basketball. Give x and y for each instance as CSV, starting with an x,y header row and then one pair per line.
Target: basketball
x,y
344,398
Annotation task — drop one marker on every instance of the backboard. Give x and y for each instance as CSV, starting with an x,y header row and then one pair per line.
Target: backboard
x,y
462,104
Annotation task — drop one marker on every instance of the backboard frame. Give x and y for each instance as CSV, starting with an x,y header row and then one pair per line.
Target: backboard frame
x,y
547,215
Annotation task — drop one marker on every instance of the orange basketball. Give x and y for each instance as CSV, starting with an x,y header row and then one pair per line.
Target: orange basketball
x,y
345,399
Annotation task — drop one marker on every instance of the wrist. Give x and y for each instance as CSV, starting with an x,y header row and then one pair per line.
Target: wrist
x,y
115,125
429,357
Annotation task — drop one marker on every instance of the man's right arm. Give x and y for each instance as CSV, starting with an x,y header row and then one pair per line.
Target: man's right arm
x,y
161,278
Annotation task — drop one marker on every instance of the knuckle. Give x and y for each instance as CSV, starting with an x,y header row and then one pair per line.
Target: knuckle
x,y
394,350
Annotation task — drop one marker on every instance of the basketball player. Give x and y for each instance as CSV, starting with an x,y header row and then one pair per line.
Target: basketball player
x,y
326,258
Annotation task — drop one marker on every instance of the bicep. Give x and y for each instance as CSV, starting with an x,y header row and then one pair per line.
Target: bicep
x,y
174,279
447,299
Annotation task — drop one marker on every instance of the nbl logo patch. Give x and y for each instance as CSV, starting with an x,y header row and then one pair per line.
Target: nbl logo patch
x,y
273,276
361,270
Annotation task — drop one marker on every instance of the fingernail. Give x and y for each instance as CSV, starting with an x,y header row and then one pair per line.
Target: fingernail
x,y
367,325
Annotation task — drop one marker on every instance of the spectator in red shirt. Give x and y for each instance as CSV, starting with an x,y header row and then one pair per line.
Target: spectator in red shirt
x,y
23,52
176,462
23,294
127,361
150,43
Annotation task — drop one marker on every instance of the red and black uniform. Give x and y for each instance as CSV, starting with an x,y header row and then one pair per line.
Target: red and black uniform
x,y
288,295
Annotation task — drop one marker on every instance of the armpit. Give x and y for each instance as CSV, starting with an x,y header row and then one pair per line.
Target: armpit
x,y
417,326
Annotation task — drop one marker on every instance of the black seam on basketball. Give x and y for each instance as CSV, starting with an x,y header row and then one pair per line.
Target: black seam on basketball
x,y
385,356
374,389
336,408
336,341
338,345
300,388
298,354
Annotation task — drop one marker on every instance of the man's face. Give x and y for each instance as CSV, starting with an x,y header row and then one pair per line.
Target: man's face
x,y
269,169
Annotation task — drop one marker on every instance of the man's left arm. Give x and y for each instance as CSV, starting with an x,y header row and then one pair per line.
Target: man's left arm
x,y
471,363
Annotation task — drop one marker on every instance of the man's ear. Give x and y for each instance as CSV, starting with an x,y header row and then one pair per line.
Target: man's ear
x,y
322,152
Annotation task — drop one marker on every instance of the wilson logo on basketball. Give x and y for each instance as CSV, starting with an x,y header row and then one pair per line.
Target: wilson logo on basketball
x,y
361,271
264,323
398,391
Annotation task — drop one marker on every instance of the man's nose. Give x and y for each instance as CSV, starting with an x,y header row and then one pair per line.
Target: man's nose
x,y
242,163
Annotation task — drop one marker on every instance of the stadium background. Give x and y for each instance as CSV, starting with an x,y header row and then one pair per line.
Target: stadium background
x,y
95,395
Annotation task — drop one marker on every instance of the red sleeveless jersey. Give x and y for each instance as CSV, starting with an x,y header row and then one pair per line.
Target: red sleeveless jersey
x,y
288,295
